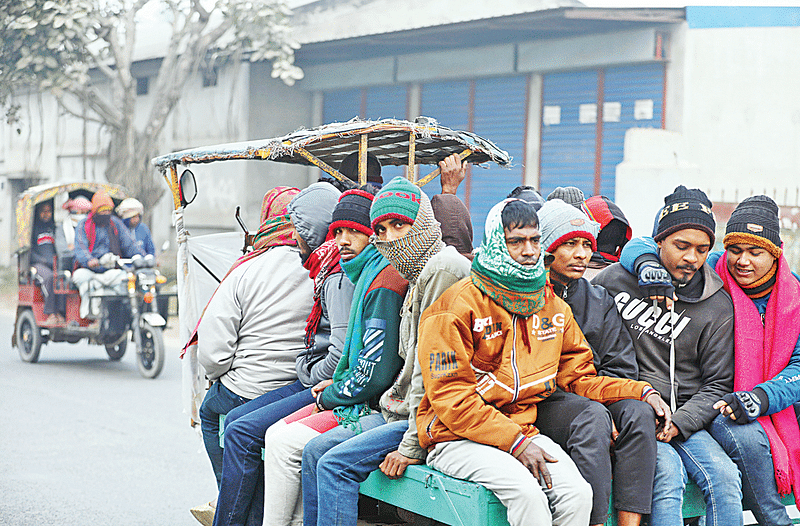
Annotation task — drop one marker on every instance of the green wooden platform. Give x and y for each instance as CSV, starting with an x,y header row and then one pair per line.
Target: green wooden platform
x,y
430,493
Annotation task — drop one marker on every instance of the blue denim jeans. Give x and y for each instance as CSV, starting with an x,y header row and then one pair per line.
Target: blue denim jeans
x,y
241,493
748,446
219,400
336,462
701,459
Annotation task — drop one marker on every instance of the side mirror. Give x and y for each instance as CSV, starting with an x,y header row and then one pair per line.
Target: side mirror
x,y
187,187
165,246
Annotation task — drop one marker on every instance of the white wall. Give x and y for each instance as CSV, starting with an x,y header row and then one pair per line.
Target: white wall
x,y
741,113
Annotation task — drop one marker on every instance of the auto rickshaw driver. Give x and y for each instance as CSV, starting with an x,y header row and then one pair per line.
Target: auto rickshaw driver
x,y
98,235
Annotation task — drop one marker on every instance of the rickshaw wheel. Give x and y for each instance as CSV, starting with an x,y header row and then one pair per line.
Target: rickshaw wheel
x,y
116,351
150,358
29,338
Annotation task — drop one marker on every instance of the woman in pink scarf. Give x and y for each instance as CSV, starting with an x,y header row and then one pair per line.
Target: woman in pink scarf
x,y
758,427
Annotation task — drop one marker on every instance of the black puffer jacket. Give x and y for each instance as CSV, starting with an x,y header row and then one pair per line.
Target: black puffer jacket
x,y
597,316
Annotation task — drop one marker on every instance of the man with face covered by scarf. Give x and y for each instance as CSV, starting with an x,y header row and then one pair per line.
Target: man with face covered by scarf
x,y
493,346
99,234
336,462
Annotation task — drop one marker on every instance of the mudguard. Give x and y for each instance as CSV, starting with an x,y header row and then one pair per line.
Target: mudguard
x,y
155,319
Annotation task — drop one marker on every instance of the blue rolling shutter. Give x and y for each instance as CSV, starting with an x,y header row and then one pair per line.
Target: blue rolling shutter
x,y
500,116
387,102
448,103
341,105
568,146
624,86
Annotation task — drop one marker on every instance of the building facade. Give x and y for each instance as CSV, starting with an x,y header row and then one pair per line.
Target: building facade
x,y
627,103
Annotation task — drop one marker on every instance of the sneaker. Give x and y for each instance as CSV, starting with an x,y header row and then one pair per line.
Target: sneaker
x,y
204,514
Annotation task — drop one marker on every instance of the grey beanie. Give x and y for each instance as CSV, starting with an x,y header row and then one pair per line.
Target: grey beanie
x,y
569,194
559,221
311,211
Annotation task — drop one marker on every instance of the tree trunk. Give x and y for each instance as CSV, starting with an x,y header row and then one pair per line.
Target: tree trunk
x,y
132,169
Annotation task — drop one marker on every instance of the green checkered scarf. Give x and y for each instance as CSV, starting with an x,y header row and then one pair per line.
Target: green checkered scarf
x,y
518,288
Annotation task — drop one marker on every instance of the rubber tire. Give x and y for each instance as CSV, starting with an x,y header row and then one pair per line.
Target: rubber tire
x,y
150,359
116,351
28,337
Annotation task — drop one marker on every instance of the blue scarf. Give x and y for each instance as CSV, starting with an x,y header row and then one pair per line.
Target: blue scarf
x,y
362,270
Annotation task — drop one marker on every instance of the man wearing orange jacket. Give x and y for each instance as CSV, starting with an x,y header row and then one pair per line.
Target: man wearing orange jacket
x,y
490,348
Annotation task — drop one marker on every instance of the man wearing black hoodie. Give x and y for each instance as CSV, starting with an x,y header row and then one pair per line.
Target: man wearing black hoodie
x,y
685,351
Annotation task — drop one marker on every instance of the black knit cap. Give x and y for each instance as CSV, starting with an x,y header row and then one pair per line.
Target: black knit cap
x,y
758,219
685,208
352,211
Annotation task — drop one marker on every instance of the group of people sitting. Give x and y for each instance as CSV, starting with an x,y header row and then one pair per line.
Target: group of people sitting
x,y
504,366
82,239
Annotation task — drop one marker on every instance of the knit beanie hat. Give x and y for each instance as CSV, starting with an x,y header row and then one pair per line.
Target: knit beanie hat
x,y
352,211
559,221
615,231
399,199
101,202
529,194
685,208
569,194
755,221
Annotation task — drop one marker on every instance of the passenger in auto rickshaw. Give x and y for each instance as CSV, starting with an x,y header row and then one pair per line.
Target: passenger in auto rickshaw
x,y
131,211
100,234
43,253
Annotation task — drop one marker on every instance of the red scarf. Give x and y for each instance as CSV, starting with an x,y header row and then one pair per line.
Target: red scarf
x,y
762,352
323,262
91,234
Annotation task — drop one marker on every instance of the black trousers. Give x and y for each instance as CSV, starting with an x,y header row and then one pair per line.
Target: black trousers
x,y
582,428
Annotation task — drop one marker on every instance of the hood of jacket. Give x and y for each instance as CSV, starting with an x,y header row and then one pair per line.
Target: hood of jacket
x,y
311,211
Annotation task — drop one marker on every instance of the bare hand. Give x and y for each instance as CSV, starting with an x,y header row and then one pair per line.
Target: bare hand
x,y
317,389
94,262
535,459
395,464
452,172
614,432
663,412
668,433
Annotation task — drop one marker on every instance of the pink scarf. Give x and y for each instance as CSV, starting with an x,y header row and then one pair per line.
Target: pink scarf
x,y
762,352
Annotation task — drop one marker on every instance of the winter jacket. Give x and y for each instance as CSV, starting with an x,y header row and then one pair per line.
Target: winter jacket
x,y
485,369
378,361
43,248
102,242
400,402
144,240
254,326
702,329
596,314
455,222
318,362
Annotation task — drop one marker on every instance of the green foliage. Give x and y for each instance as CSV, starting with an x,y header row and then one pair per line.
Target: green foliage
x,y
41,47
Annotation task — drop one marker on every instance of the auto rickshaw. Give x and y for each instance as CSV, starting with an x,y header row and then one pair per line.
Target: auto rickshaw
x,y
129,312
203,259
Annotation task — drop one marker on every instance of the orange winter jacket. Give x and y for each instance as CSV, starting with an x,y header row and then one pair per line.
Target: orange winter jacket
x,y
485,369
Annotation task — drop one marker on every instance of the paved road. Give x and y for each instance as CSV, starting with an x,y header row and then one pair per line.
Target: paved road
x,y
85,441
